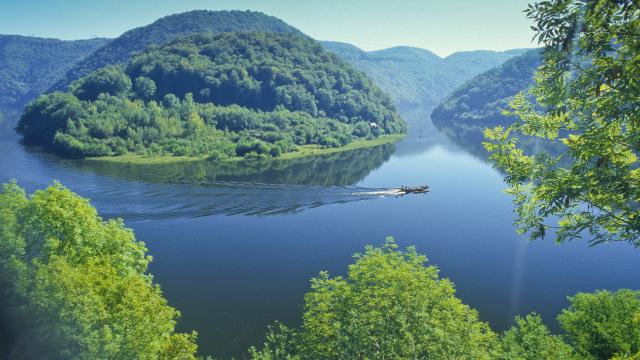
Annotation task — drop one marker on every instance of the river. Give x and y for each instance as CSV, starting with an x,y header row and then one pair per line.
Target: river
x,y
234,247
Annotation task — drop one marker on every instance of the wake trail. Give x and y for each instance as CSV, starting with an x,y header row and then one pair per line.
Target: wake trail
x,y
162,201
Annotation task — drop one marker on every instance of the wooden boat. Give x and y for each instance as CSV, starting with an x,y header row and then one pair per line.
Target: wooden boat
x,y
403,190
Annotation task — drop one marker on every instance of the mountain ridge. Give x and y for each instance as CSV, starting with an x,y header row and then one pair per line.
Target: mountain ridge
x,y
480,101
29,65
168,28
417,76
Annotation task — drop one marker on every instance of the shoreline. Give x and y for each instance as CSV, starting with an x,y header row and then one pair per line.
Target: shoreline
x,y
302,151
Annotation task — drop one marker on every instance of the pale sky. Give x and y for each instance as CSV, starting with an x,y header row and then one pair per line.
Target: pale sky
x,y
442,26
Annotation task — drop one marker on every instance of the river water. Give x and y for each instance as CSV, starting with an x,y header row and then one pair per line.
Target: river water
x,y
234,247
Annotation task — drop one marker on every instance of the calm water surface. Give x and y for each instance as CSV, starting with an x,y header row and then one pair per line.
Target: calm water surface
x,y
234,247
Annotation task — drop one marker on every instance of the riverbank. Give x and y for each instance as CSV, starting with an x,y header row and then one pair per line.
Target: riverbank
x,y
302,151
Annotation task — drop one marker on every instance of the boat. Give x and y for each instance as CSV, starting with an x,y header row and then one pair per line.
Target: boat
x,y
403,190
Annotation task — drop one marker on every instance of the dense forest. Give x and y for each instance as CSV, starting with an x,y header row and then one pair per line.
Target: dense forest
x,y
77,286
482,100
120,50
226,95
415,76
30,65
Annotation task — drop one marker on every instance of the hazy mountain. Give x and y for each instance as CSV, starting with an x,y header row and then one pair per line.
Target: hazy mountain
x,y
480,101
415,76
30,65
121,49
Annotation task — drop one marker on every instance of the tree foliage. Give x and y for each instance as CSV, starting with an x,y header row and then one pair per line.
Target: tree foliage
x,y
121,49
588,86
389,306
603,324
235,94
530,339
80,282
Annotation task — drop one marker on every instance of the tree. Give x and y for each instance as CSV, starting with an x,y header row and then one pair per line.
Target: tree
x,y
82,282
389,306
47,115
530,339
145,88
603,324
110,79
588,89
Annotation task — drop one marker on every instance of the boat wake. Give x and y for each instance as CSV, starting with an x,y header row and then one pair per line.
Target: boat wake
x,y
152,202
380,193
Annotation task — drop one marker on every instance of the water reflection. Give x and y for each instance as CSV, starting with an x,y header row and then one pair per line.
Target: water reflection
x,y
338,169
203,188
471,137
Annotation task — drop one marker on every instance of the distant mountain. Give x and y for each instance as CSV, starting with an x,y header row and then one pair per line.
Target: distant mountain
x,y
168,28
30,65
480,101
415,76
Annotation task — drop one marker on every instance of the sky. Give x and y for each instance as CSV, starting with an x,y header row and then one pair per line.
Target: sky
x,y
442,26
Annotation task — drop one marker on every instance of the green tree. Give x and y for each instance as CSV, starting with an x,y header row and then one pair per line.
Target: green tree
x,y
110,79
81,281
604,324
145,88
588,88
530,339
389,306
47,115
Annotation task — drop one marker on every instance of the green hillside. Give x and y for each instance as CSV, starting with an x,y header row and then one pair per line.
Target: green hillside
x,y
416,76
223,96
120,50
481,101
30,65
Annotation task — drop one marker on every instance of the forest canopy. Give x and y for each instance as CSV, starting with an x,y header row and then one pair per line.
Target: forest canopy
x,y
221,96
122,48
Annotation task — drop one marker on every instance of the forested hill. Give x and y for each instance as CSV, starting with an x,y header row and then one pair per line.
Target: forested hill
x,y
415,76
217,95
30,65
120,50
481,100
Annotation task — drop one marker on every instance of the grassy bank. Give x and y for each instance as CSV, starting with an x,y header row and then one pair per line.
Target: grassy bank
x,y
302,151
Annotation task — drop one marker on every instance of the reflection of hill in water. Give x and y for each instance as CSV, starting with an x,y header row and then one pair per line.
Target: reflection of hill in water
x,y
471,137
194,189
7,123
247,188
338,169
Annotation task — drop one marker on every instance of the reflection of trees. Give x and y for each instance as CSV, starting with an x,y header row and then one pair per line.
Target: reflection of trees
x,y
471,137
8,120
338,169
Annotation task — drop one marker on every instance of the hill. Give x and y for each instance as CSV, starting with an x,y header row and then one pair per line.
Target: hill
x,y
415,76
120,50
30,65
222,96
480,101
